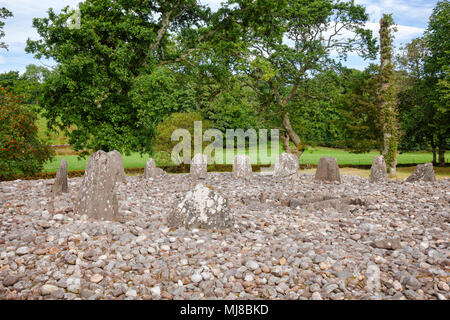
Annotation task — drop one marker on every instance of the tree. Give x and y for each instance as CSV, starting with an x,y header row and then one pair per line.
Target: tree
x,y
359,108
99,66
4,13
424,99
387,94
290,41
437,72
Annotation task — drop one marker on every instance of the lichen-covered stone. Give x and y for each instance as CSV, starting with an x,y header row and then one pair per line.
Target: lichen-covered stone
x,y
202,208
61,180
423,172
242,167
151,171
117,161
199,166
328,170
286,165
97,197
378,172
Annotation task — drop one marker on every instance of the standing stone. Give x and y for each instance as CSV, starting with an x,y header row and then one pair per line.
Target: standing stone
x,y
242,168
97,197
199,166
423,172
61,183
201,207
151,171
286,165
328,170
117,161
378,172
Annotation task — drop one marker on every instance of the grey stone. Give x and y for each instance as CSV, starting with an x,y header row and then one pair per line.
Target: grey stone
x,y
10,280
286,165
97,197
378,172
328,170
423,172
199,166
242,168
389,244
202,207
151,171
117,163
61,180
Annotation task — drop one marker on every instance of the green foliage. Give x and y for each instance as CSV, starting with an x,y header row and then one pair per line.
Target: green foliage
x,y
288,42
424,101
101,65
358,106
4,13
163,142
21,151
387,93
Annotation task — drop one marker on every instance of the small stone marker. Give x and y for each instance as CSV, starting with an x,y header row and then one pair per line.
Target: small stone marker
x,y
61,180
151,171
378,172
286,165
242,168
423,172
328,170
199,166
97,197
117,161
202,207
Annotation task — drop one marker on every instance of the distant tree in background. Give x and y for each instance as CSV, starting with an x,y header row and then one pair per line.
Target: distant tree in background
x,y
359,108
4,13
437,70
291,41
424,100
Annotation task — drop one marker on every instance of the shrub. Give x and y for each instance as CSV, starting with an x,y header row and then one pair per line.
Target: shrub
x,y
163,143
21,151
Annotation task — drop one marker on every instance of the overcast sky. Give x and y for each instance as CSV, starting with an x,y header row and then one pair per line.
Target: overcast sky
x,y
411,16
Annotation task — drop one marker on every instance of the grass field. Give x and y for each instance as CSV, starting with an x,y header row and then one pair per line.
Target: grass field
x,y
311,156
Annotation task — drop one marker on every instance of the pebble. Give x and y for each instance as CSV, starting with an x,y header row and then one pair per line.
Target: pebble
x,y
272,251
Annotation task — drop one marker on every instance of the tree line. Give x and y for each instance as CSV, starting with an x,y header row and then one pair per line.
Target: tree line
x,y
250,64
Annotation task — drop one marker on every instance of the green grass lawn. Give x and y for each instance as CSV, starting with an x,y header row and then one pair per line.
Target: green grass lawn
x,y
311,156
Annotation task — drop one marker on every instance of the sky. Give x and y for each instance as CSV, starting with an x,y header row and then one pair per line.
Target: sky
x,y
411,17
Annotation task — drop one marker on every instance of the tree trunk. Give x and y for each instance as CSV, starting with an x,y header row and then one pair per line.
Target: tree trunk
x,y
441,152
292,134
433,150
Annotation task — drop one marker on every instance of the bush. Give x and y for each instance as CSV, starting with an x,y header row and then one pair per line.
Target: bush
x,y
21,151
163,143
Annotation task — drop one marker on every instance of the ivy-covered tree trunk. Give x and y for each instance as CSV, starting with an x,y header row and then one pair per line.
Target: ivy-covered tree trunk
x,y
387,96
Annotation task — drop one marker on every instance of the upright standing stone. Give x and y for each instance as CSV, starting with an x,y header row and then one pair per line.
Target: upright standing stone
x,y
423,172
286,165
61,183
117,161
378,172
201,207
151,171
328,170
199,166
242,168
97,197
